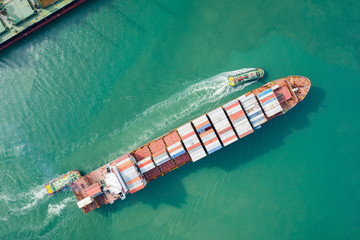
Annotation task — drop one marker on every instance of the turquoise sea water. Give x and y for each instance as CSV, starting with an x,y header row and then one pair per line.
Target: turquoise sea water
x,y
112,75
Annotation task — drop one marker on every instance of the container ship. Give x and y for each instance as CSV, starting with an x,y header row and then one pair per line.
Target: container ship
x,y
247,75
188,143
18,18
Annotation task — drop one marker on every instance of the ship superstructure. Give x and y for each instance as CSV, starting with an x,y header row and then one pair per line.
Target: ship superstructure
x,y
18,18
190,142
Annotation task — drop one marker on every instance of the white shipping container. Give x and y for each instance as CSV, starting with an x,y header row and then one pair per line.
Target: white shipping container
x,y
233,110
259,122
220,119
249,100
272,99
228,104
212,145
244,98
200,120
240,121
228,131
244,127
161,158
222,127
253,119
174,145
269,105
188,142
213,149
227,141
230,141
129,170
147,168
254,112
185,129
215,112
129,176
266,95
144,160
217,116
176,152
227,134
249,104
135,185
197,155
208,137
274,111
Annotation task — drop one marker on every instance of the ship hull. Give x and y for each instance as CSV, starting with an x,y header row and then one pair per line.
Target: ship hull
x,y
192,141
39,24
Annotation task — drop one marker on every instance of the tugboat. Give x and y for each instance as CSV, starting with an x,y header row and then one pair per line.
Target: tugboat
x,y
62,182
252,74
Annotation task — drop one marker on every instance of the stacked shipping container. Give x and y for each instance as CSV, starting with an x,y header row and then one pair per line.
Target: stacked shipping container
x,y
282,93
130,174
153,159
191,142
175,148
160,156
238,118
222,126
146,164
207,134
269,102
253,110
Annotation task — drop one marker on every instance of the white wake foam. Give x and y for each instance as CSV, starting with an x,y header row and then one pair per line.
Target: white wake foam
x,y
56,209
4,197
24,202
28,201
194,97
181,105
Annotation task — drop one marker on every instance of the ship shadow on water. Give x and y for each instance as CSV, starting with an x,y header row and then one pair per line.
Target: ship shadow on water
x,y
169,189
124,16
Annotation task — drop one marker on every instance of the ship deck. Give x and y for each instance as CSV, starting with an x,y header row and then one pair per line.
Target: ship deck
x,y
79,189
23,14
290,98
